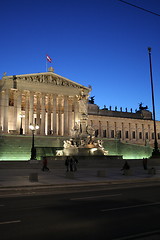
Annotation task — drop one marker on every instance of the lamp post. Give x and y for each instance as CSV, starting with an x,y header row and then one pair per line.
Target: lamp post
x,y
155,150
21,129
33,128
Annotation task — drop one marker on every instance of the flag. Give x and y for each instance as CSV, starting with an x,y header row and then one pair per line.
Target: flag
x,y
49,59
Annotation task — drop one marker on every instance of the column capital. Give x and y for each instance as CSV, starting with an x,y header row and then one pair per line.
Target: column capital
x,y
70,99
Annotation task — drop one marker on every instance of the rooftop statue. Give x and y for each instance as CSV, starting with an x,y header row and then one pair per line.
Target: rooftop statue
x,y
91,100
141,107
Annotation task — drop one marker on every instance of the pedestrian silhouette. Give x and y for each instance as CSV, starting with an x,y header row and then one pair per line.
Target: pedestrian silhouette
x,y
71,162
75,162
125,166
67,162
45,168
145,163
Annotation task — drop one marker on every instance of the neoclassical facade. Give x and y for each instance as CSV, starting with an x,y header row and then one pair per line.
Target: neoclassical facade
x,y
57,104
128,127
46,99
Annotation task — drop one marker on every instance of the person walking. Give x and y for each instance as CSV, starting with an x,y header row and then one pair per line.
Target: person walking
x,y
145,163
125,168
45,168
67,163
75,161
71,163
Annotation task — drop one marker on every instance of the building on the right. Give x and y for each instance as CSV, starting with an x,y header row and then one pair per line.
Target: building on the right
x,y
125,126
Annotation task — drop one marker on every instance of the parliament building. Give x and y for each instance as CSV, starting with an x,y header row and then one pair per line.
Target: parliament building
x,y
54,103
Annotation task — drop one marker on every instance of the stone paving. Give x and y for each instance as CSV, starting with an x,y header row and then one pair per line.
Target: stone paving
x,y
36,177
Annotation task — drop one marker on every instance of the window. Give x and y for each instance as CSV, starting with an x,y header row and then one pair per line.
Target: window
x,y
126,134
119,135
112,133
133,134
11,98
140,135
153,135
96,133
158,135
146,135
11,102
104,133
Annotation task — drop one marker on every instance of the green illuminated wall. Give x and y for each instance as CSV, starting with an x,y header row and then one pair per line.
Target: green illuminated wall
x,y
19,147
129,151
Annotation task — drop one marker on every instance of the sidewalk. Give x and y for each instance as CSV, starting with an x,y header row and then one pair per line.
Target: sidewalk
x,y
21,177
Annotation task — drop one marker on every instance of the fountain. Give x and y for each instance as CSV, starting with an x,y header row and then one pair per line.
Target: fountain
x,y
83,141
83,145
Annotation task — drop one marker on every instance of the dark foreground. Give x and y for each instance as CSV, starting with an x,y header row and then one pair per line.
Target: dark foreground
x,y
121,213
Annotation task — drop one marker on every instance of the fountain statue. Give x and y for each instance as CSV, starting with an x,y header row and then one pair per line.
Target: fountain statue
x,y
83,140
80,144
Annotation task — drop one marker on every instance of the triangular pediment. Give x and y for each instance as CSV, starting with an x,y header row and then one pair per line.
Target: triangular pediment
x,y
48,78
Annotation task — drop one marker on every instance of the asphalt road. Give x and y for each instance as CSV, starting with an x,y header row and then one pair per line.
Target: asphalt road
x,y
124,213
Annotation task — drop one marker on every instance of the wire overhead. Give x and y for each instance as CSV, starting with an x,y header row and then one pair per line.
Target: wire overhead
x,y
140,8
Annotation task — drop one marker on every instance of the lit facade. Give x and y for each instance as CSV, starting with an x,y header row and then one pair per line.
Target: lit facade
x,y
128,127
46,99
54,103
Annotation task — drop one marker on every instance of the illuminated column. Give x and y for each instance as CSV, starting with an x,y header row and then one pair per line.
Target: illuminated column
x,y
100,129
31,107
129,131
60,116
18,103
2,109
16,117
122,131
65,115
136,132
49,115
115,130
42,126
27,113
76,107
6,105
70,116
51,109
54,123
149,133
143,132
38,110
107,129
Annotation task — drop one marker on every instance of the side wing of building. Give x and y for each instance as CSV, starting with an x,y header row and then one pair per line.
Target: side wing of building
x,y
128,127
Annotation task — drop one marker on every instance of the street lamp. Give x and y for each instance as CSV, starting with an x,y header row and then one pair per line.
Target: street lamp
x,y
33,128
155,150
21,129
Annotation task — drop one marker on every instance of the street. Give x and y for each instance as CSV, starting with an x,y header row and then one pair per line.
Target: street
x,y
124,213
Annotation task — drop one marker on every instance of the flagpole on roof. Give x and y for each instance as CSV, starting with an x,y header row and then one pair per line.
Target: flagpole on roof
x,y
46,63
48,59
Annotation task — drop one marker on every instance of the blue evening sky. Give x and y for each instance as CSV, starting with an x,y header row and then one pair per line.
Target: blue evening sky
x,y
102,43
